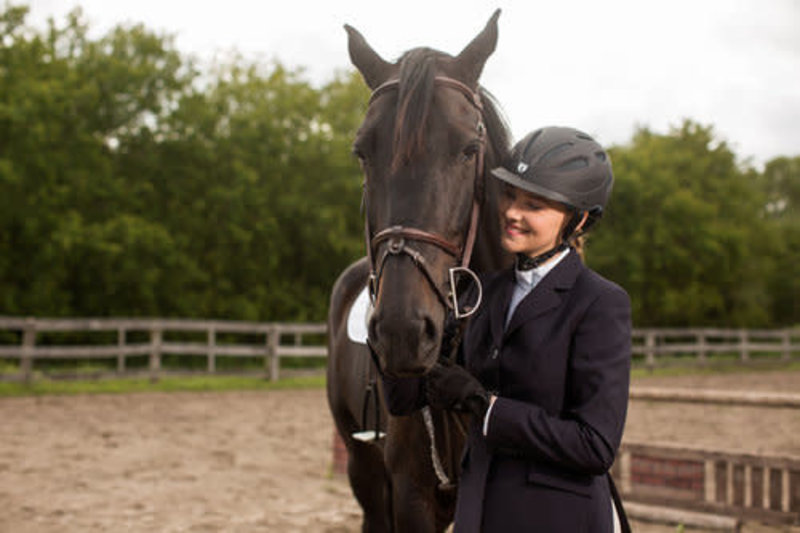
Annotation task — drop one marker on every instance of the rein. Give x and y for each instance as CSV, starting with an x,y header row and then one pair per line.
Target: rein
x,y
398,236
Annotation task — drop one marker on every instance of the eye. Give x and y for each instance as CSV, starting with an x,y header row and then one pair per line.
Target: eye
x,y
470,151
359,153
363,160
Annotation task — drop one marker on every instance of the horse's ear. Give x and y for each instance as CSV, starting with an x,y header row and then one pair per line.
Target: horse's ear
x,y
371,66
474,56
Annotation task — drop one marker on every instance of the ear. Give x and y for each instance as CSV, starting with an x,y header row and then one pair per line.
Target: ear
x,y
371,66
580,225
474,56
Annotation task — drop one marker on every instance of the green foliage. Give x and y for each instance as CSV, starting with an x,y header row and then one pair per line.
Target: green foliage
x,y
781,181
134,183
685,232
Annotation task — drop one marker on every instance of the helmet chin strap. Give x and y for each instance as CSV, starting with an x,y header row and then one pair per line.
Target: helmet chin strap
x,y
526,262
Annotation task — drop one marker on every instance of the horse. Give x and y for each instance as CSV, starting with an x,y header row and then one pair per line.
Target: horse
x,y
429,137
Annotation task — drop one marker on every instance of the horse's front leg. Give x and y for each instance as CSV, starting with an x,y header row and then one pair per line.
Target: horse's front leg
x,y
414,483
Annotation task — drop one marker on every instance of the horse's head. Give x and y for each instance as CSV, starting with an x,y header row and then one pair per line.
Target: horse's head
x,y
423,147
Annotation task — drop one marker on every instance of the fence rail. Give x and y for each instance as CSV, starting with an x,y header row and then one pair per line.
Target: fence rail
x,y
21,339
270,342
655,347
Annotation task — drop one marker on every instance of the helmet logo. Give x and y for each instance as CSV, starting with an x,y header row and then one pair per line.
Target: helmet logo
x,y
522,167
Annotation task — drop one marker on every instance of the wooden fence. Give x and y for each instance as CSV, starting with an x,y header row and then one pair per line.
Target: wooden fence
x,y
703,346
156,338
28,340
737,486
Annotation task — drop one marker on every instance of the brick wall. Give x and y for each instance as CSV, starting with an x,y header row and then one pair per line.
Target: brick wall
x,y
682,476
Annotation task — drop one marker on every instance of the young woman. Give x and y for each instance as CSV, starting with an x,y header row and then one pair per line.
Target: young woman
x,y
546,359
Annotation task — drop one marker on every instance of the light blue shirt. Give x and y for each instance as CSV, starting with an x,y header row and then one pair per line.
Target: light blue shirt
x,y
526,281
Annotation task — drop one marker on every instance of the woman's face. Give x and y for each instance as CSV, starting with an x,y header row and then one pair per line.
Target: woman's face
x,y
529,224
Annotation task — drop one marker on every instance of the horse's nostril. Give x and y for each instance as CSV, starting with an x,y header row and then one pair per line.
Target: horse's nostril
x,y
429,328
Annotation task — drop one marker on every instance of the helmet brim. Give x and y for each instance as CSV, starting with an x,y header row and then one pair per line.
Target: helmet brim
x,y
516,180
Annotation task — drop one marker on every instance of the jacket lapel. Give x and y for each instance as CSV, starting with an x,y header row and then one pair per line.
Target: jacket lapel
x,y
500,305
548,294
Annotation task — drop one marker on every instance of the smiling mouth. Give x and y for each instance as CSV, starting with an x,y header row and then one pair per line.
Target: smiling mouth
x,y
514,230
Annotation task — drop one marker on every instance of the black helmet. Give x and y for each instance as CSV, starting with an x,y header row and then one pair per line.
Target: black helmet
x,y
564,165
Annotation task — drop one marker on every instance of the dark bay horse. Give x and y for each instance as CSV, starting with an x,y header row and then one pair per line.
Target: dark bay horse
x,y
429,137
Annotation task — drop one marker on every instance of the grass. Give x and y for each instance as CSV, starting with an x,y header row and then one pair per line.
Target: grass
x,y
734,367
42,387
217,383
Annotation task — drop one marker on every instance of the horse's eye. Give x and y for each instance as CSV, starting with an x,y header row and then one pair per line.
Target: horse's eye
x,y
469,152
360,153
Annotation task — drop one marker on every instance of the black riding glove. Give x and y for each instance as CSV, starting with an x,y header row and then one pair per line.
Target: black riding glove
x,y
454,388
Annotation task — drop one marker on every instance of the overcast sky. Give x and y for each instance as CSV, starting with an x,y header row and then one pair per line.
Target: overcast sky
x,y
602,66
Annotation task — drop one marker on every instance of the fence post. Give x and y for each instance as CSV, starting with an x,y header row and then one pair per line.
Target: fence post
x,y
701,347
625,476
744,346
786,353
121,339
212,357
155,354
28,347
709,481
273,360
650,349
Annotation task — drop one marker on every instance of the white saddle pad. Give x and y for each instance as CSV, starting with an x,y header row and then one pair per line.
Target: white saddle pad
x,y
358,317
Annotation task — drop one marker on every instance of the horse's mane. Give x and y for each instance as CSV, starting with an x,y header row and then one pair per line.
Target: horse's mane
x,y
417,84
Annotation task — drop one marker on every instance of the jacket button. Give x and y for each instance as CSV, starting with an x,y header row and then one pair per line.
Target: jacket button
x,y
495,352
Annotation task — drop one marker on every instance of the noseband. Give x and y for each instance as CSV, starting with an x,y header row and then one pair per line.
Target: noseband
x,y
399,237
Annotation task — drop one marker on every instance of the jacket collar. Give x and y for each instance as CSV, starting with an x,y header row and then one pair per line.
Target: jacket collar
x,y
545,296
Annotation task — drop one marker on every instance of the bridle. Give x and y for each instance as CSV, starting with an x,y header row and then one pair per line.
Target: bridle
x,y
399,237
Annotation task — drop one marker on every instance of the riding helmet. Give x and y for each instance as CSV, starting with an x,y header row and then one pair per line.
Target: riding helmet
x,y
564,165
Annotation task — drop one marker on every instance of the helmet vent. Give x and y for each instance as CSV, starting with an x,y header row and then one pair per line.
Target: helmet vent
x,y
553,152
524,154
601,155
575,164
581,135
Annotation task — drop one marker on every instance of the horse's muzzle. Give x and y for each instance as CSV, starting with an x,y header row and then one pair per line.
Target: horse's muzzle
x,y
405,347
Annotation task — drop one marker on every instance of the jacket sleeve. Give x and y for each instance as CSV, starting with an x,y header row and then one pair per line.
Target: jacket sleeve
x,y
585,436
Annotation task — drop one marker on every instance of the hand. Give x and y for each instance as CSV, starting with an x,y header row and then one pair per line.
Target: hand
x,y
454,388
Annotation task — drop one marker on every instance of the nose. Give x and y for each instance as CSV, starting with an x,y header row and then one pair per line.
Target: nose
x,y
508,207
510,213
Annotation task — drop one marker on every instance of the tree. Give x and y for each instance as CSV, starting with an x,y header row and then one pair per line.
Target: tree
x,y
253,176
684,232
781,183
67,100
133,183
